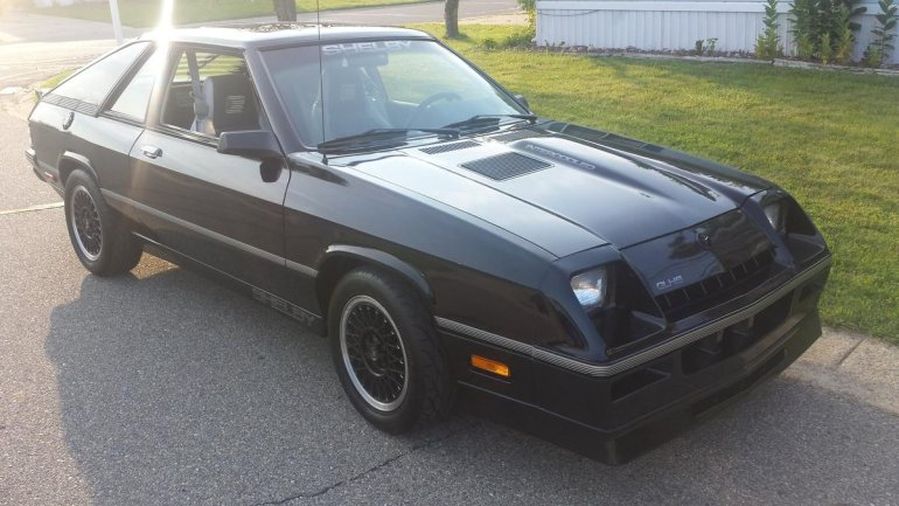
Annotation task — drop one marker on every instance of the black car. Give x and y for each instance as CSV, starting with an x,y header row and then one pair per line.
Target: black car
x,y
596,290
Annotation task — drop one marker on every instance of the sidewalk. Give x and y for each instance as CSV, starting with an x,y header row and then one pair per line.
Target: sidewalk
x,y
863,368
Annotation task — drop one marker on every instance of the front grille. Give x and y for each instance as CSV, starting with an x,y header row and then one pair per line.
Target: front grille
x,y
715,289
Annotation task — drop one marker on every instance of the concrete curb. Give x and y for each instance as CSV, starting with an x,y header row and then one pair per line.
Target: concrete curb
x,y
779,62
668,57
855,365
725,59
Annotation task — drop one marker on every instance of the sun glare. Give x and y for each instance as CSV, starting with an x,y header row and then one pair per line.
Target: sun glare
x,y
166,22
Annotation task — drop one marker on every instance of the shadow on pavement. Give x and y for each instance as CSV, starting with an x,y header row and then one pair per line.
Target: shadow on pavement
x,y
174,389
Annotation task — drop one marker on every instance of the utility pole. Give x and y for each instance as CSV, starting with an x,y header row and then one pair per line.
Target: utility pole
x,y
116,21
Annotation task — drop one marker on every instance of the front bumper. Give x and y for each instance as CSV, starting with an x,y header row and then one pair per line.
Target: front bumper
x,y
613,415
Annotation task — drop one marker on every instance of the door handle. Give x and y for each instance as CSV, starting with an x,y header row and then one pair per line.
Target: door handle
x,y
151,151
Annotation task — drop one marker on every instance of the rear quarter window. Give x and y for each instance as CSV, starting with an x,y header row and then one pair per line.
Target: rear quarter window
x,y
133,100
92,85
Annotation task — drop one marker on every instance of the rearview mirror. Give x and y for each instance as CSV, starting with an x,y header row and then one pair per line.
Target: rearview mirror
x,y
258,144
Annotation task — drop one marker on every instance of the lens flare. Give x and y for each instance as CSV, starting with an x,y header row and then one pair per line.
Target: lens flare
x,y
166,15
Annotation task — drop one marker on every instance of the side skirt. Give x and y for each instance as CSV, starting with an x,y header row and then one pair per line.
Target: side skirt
x,y
307,318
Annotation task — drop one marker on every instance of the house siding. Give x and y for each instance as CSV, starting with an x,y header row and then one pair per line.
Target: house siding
x,y
663,25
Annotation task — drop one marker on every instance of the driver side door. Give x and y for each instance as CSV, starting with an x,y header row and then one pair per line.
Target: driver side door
x,y
224,211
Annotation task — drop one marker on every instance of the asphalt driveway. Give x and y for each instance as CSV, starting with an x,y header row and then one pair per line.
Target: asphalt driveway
x,y
164,387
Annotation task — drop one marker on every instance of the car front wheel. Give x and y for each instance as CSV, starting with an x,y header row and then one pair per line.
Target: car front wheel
x,y
386,352
101,240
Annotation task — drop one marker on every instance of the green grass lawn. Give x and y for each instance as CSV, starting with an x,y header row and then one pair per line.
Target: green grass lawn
x,y
145,13
831,139
54,80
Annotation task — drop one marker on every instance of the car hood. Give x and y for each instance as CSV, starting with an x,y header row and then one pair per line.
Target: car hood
x,y
565,192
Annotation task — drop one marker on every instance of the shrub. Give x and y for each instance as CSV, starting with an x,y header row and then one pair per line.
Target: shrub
x,y
825,52
882,45
873,56
767,46
845,41
803,15
706,47
825,29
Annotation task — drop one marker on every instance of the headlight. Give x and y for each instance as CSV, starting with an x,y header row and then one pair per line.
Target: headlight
x,y
776,214
590,288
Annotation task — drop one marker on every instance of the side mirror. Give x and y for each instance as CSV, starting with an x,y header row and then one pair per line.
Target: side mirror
x,y
521,99
258,144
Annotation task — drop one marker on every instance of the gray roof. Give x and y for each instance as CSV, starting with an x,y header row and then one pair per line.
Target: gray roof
x,y
261,36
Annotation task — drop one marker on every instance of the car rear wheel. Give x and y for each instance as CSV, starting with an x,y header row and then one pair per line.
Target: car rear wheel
x,y
386,352
101,239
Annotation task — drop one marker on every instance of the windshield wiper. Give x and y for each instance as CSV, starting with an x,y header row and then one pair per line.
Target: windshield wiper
x,y
378,136
489,119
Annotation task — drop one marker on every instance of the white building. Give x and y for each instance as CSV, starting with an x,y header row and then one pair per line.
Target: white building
x,y
661,25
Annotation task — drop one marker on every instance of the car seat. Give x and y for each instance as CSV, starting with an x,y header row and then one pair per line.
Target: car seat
x,y
230,103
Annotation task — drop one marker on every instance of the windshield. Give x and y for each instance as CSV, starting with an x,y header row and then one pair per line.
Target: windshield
x,y
379,85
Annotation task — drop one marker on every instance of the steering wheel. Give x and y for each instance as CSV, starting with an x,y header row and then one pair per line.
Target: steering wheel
x,y
428,102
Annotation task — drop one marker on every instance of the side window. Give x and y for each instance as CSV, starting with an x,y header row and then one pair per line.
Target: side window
x,y
210,93
94,83
133,100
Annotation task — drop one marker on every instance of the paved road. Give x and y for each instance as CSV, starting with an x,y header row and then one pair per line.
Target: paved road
x,y
164,387
33,47
404,14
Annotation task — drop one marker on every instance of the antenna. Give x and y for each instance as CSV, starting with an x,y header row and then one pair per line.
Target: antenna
x,y
321,70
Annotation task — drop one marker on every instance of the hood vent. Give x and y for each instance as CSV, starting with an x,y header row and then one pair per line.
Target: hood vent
x,y
506,166
446,148
516,135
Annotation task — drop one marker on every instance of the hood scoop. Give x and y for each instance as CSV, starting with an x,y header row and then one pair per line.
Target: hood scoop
x,y
506,166
446,148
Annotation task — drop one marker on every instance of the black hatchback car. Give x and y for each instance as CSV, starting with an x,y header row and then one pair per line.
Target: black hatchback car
x,y
596,290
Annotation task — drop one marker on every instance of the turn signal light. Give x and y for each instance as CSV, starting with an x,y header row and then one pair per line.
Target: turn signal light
x,y
491,366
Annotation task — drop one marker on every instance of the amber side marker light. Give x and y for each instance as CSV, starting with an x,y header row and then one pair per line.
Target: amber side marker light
x,y
491,366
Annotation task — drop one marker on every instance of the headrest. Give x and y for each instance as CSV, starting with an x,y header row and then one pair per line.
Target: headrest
x,y
232,105
346,86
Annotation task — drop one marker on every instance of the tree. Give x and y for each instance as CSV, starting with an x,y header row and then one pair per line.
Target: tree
x,y
451,17
286,10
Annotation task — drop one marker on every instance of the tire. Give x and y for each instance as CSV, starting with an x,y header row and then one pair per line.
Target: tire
x,y
100,237
370,313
